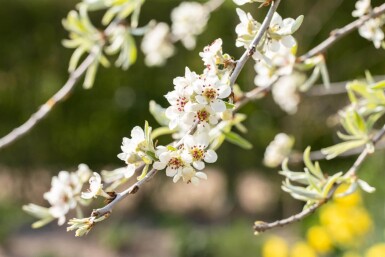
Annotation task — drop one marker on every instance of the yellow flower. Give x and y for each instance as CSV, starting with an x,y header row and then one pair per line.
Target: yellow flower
x,y
377,250
302,249
351,254
319,239
275,247
350,200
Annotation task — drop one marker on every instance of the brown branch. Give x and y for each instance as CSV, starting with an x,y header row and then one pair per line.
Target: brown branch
x,y
342,32
240,64
261,226
45,109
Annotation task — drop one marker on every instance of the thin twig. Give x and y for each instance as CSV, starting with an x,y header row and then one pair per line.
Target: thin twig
x,y
341,32
335,88
261,226
240,64
43,111
250,51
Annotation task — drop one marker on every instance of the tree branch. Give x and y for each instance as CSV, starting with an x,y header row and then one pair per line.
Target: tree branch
x,y
261,226
240,64
44,110
342,32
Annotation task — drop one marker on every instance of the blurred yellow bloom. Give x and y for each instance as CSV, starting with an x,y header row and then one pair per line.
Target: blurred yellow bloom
x,y
351,254
350,200
377,250
275,247
302,249
319,239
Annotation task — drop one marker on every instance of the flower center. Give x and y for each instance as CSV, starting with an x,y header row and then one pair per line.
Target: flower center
x,y
203,115
181,102
175,163
197,153
210,93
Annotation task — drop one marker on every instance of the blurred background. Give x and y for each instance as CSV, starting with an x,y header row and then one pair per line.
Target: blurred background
x,y
166,219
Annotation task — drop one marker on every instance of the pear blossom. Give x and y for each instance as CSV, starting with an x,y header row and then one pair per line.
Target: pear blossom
x,y
196,147
201,114
275,64
118,174
135,149
371,30
189,19
179,97
279,33
157,45
242,2
278,150
64,192
362,7
217,63
171,160
247,29
96,188
285,92
211,90
189,175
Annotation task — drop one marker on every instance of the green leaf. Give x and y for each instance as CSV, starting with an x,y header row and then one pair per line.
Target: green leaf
x,y
325,75
236,139
335,150
159,113
144,172
161,132
379,85
314,169
311,80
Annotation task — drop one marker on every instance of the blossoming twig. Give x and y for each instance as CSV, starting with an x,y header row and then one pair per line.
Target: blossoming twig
x,y
135,187
246,55
261,226
340,33
46,108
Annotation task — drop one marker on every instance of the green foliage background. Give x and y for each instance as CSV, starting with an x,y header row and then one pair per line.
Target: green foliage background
x,y
88,127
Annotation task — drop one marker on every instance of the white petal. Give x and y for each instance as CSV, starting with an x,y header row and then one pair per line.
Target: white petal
x,y
199,165
201,99
137,132
288,41
159,165
218,105
201,175
274,45
171,172
211,156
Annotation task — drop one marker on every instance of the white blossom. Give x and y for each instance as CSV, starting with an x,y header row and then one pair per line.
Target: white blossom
x,y
171,160
362,7
280,33
64,192
247,29
196,148
371,30
157,45
242,2
274,65
179,97
212,91
201,114
135,149
118,174
278,150
189,19
285,92
96,187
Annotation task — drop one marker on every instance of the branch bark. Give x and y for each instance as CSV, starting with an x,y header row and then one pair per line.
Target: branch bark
x,y
337,34
261,226
45,109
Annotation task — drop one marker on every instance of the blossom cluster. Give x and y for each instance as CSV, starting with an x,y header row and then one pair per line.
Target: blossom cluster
x,y
64,195
372,29
274,55
196,103
189,20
